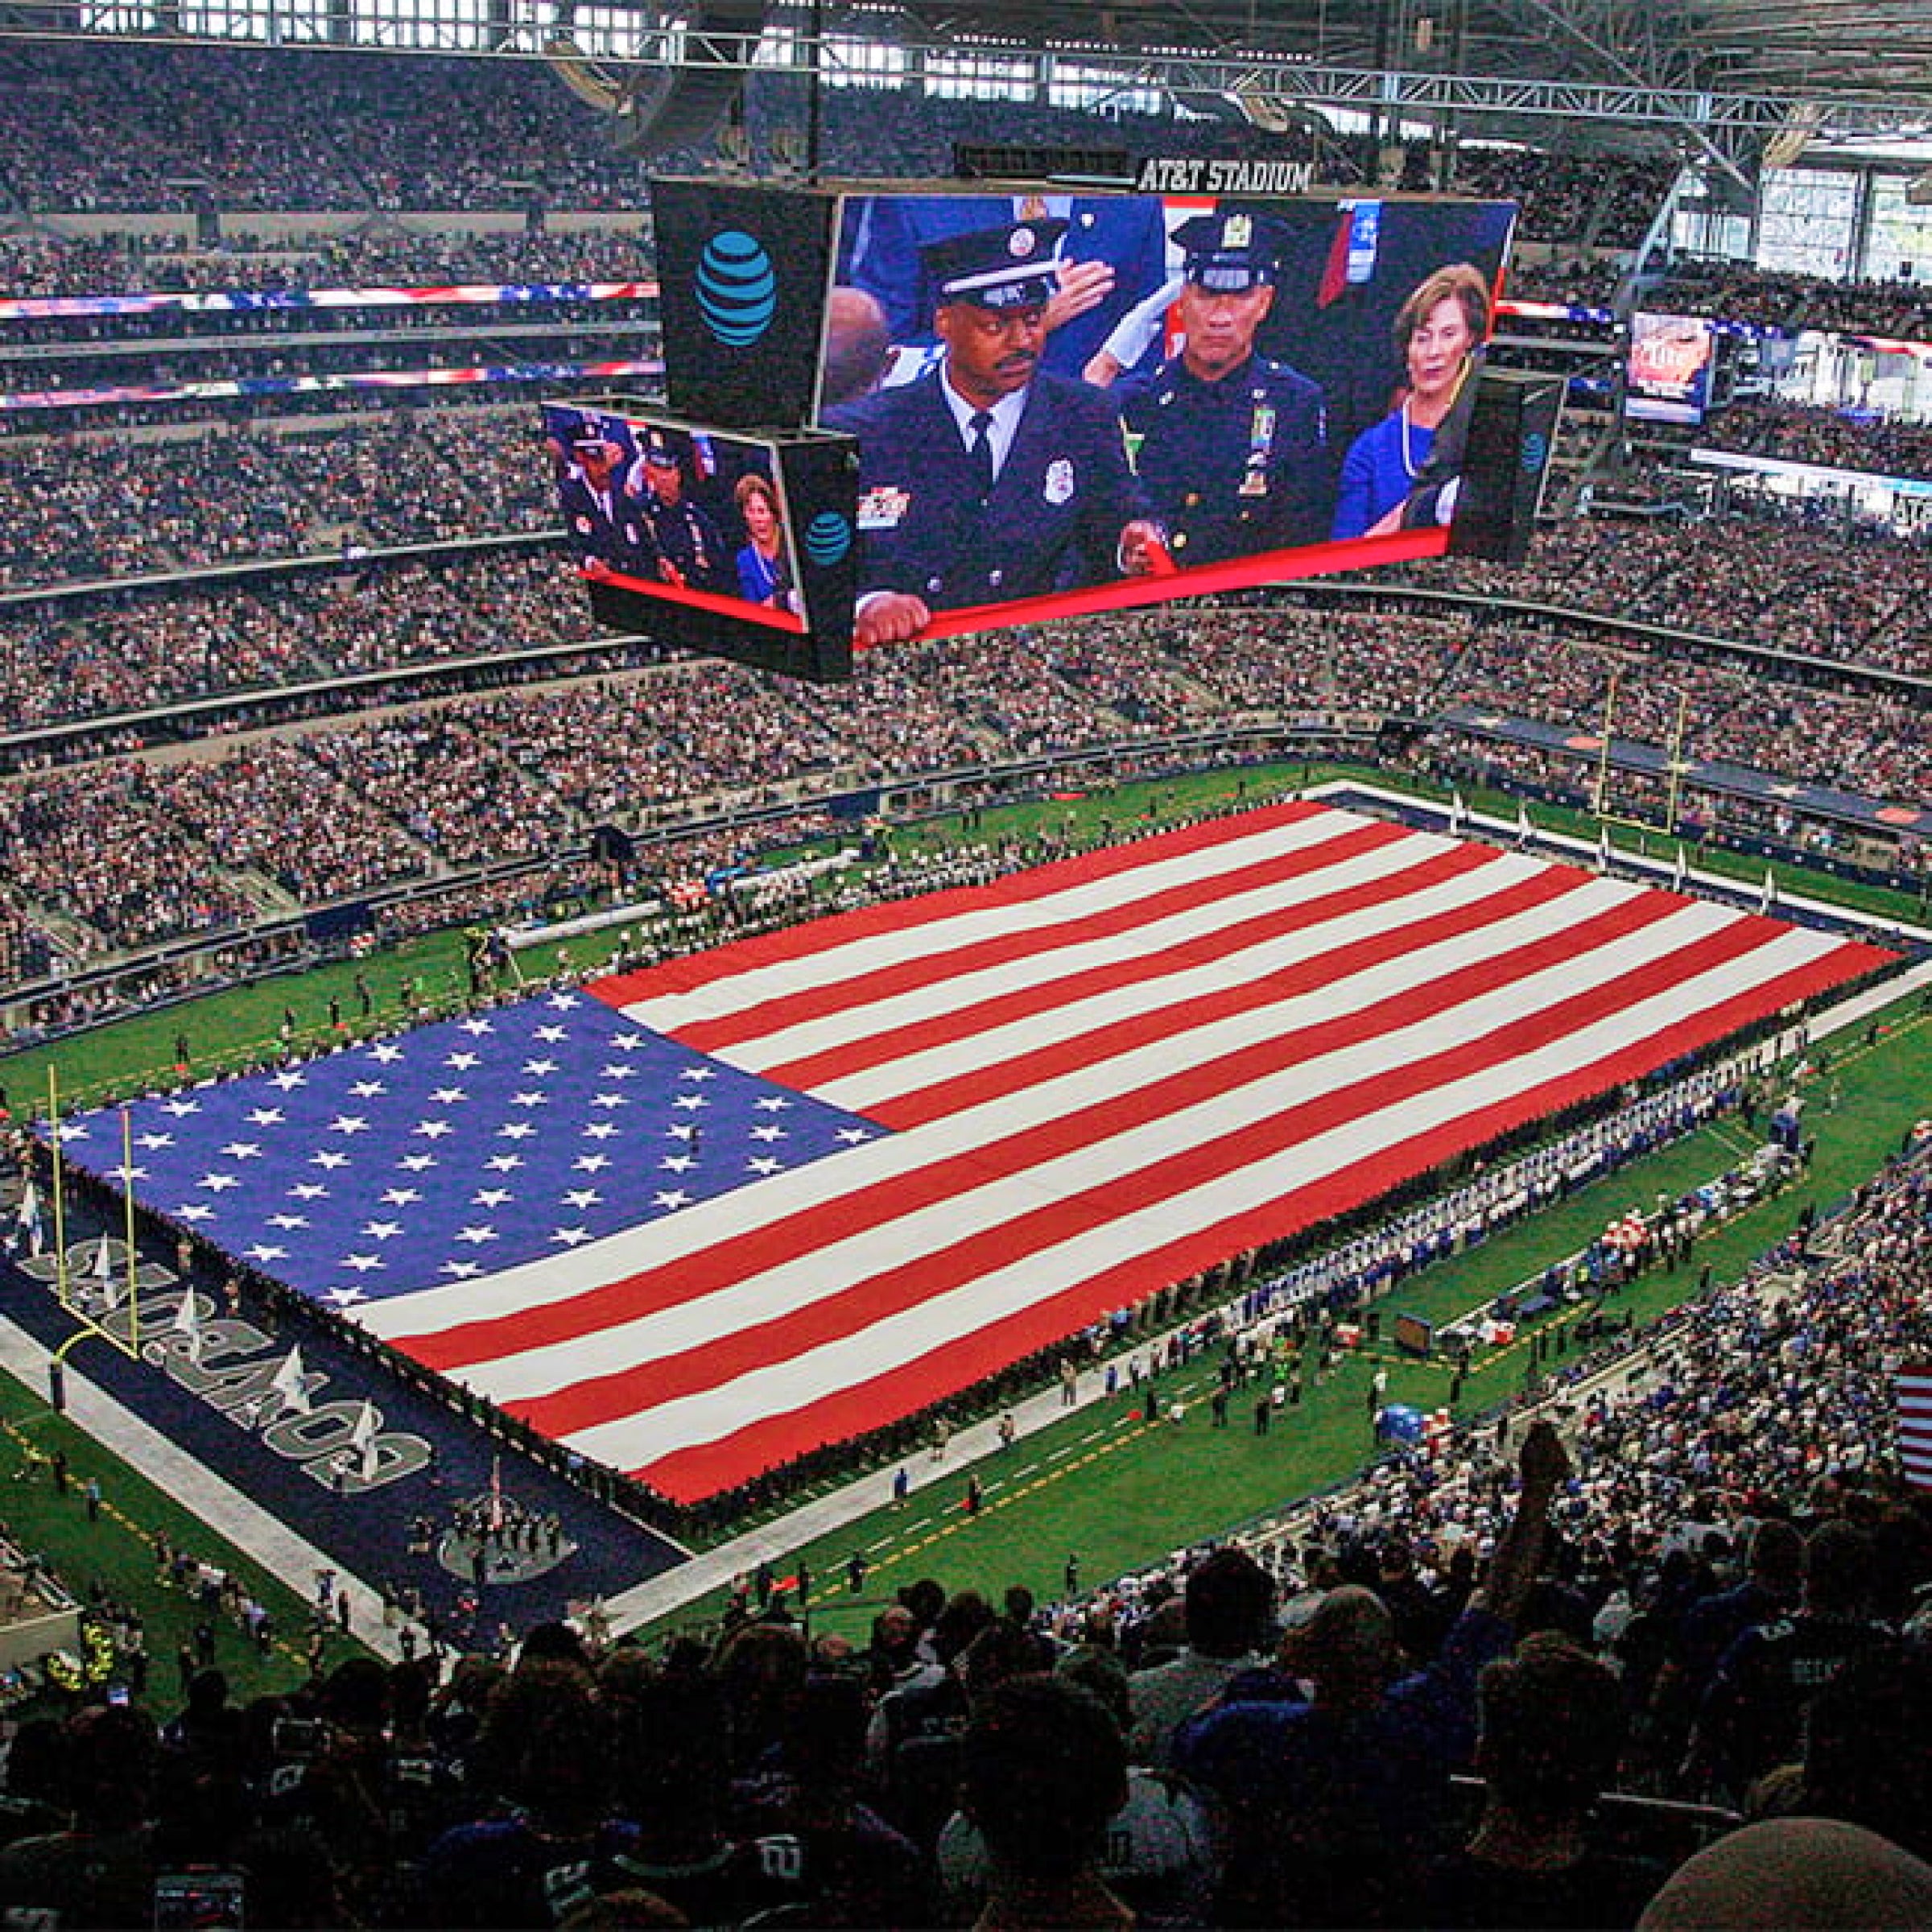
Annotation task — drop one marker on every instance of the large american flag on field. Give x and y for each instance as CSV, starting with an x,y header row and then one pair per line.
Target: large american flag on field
x,y
696,1220
1914,1386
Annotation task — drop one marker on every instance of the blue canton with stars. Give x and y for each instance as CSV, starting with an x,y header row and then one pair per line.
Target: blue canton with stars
x,y
457,1150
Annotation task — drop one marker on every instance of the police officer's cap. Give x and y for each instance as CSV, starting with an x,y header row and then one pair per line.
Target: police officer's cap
x,y
592,432
1010,266
1229,252
659,452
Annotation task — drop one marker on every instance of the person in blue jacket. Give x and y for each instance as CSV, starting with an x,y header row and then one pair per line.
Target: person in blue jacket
x,y
988,480
1400,472
1232,446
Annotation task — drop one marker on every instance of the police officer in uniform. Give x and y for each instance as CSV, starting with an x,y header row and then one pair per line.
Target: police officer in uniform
x,y
1231,447
988,479
605,523
687,540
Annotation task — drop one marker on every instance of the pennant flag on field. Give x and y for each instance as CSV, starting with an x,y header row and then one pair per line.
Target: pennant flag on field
x,y
1914,1386
291,1382
187,1325
104,1274
937,1135
362,1439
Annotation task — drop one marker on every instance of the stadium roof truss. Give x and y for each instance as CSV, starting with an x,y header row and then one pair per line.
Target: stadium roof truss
x,y
1721,76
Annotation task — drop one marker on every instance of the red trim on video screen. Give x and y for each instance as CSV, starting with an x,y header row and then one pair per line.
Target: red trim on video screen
x,y
700,600
1237,573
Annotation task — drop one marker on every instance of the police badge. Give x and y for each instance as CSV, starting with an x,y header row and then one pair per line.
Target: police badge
x,y
1059,481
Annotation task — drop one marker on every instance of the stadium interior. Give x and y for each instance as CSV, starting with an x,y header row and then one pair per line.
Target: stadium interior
x,y
1263,1258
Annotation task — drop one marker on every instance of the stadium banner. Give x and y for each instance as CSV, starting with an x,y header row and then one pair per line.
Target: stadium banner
x,y
255,301
728,543
218,388
1667,378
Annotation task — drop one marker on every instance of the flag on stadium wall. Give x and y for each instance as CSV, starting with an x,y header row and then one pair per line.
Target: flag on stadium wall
x,y
695,1221
1914,1386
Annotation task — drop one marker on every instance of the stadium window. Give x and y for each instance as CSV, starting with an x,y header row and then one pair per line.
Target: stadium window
x,y
779,47
427,23
1807,217
981,76
1901,235
277,20
850,62
118,19
1101,90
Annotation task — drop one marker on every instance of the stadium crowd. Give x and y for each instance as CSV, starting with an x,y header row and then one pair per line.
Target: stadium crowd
x,y
1902,309
1864,743
1580,201
522,773
1443,1698
1804,433
82,511
52,262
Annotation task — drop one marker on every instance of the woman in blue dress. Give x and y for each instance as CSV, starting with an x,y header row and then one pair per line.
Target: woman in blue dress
x,y
1438,330
764,572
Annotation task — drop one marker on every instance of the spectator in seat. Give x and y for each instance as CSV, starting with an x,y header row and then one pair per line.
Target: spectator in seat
x,y
1042,1768
1228,1598
1328,1808
1158,1852
1868,1746
1550,1730
1753,1715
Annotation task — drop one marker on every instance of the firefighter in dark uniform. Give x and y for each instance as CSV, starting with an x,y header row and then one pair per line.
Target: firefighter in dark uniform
x,y
988,479
687,540
605,523
1231,448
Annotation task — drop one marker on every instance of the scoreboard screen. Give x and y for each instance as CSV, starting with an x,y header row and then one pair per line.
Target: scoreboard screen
x,y
692,534
1669,376
1055,404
